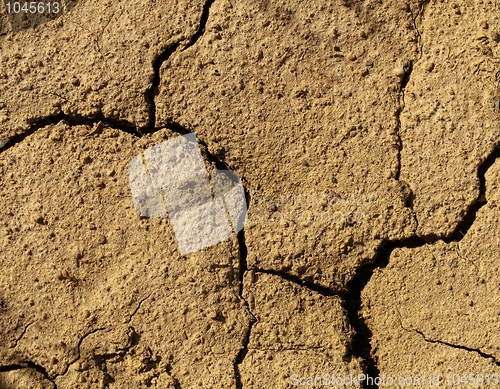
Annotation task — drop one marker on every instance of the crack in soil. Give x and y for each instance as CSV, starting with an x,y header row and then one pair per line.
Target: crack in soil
x,y
456,346
123,125
415,17
360,346
244,350
361,343
78,351
437,341
137,308
158,62
326,292
72,121
23,333
28,365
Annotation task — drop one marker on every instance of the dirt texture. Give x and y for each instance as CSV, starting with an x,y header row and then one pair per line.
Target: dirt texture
x,y
94,294
296,330
449,124
458,328
365,134
283,94
95,61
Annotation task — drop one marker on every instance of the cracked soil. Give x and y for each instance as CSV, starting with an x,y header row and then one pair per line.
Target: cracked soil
x,y
366,134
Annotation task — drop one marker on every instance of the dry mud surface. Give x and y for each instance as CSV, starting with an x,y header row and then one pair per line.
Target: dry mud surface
x,y
365,134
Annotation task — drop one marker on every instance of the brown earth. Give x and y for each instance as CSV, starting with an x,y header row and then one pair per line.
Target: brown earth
x,y
365,134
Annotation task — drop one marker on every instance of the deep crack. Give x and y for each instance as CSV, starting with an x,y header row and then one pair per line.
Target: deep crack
x,y
470,216
158,62
28,365
361,344
244,350
72,121
117,123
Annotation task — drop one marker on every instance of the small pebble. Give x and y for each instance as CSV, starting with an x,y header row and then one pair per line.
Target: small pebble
x,y
484,24
102,239
351,56
26,85
3,142
430,67
453,5
369,63
362,34
92,226
399,71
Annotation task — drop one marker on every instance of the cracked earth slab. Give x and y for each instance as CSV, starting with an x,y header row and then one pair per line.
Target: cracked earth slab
x,y
321,109
93,294
297,331
24,378
457,329
449,124
95,60
283,93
